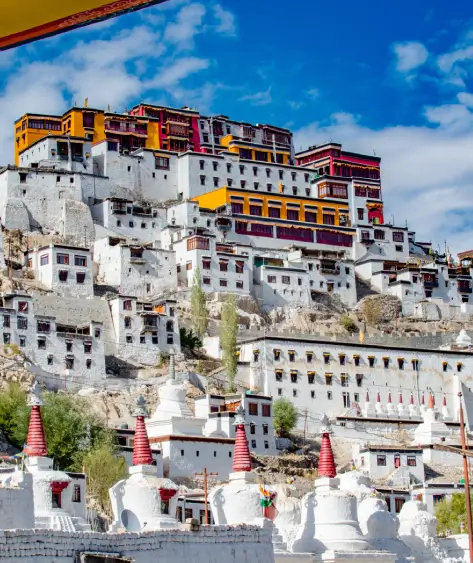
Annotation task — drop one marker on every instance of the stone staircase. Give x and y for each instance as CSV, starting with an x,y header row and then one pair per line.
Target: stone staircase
x,y
64,523
278,543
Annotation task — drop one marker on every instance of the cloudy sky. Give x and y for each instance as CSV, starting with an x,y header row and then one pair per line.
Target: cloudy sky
x,y
391,77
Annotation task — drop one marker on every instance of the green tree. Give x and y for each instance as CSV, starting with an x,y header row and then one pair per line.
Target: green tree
x,y
198,306
103,468
228,339
12,402
284,416
450,513
349,324
189,339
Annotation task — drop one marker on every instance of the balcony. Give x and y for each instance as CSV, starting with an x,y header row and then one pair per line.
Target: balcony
x,y
118,209
329,268
430,284
464,288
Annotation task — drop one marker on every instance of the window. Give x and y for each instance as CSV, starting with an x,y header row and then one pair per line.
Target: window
x,y
129,339
243,184
253,443
400,363
328,378
62,275
256,210
127,305
277,354
399,502
202,180
69,346
41,343
361,213
292,215
253,409
437,499
415,364
76,496
255,355
62,259
269,187
329,395
344,380
69,363
44,260
274,212
206,281
411,460
341,358
379,234
80,261
229,168
6,321
371,360
154,338
328,219
265,429
50,360
242,169
22,323
237,207
398,236
294,190
97,333
381,460
286,280
356,397
266,445
142,339
294,392
399,248
459,366
202,164
278,375
87,347
309,357
80,277
444,364
326,358
356,360
310,217
223,283
386,362
216,182
239,267
359,379
206,264
6,338
223,265
88,363
292,356
293,376
119,223
311,377
252,428
239,284
197,453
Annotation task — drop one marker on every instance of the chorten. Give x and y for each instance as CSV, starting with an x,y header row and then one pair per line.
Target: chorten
x,y
431,430
445,413
329,520
379,408
413,410
239,500
390,406
138,502
368,409
172,415
51,490
401,409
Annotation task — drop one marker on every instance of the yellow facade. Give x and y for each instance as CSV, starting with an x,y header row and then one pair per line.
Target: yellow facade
x,y
233,145
71,123
225,196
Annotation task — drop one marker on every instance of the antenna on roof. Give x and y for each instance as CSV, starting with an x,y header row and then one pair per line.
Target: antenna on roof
x,y
374,152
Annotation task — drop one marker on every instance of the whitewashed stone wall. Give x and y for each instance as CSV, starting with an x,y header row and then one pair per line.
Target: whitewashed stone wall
x,y
239,544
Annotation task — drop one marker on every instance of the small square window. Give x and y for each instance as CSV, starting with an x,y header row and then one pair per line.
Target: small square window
x,y
50,360
329,395
22,341
279,391
88,363
197,453
129,338
312,394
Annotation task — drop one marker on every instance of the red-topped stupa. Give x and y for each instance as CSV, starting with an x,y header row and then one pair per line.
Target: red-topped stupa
x,y
141,449
36,439
241,452
326,459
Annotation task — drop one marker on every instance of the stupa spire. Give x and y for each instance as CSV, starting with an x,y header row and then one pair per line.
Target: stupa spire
x,y
400,397
367,397
141,449
431,402
241,452
36,440
326,459
412,399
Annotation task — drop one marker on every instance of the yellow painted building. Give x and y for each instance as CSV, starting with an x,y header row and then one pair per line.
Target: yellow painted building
x,y
252,151
96,125
277,206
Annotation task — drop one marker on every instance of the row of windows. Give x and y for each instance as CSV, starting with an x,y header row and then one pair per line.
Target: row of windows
x,y
329,396
197,453
154,339
62,259
131,224
253,409
286,280
63,276
256,170
223,265
294,375
223,283
357,360
381,461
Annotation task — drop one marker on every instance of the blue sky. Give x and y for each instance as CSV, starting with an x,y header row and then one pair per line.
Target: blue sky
x,y
389,77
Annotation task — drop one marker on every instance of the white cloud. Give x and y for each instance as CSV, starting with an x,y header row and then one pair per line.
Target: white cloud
x,y
313,93
187,25
466,99
226,21
409,56
261,98
295,105
173,73
427,171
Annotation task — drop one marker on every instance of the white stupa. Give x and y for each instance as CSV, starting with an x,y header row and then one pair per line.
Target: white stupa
x,y
463,340
172,415
137,502
431,430
379,407
51,488
329,523
368,409
401,408
413,410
